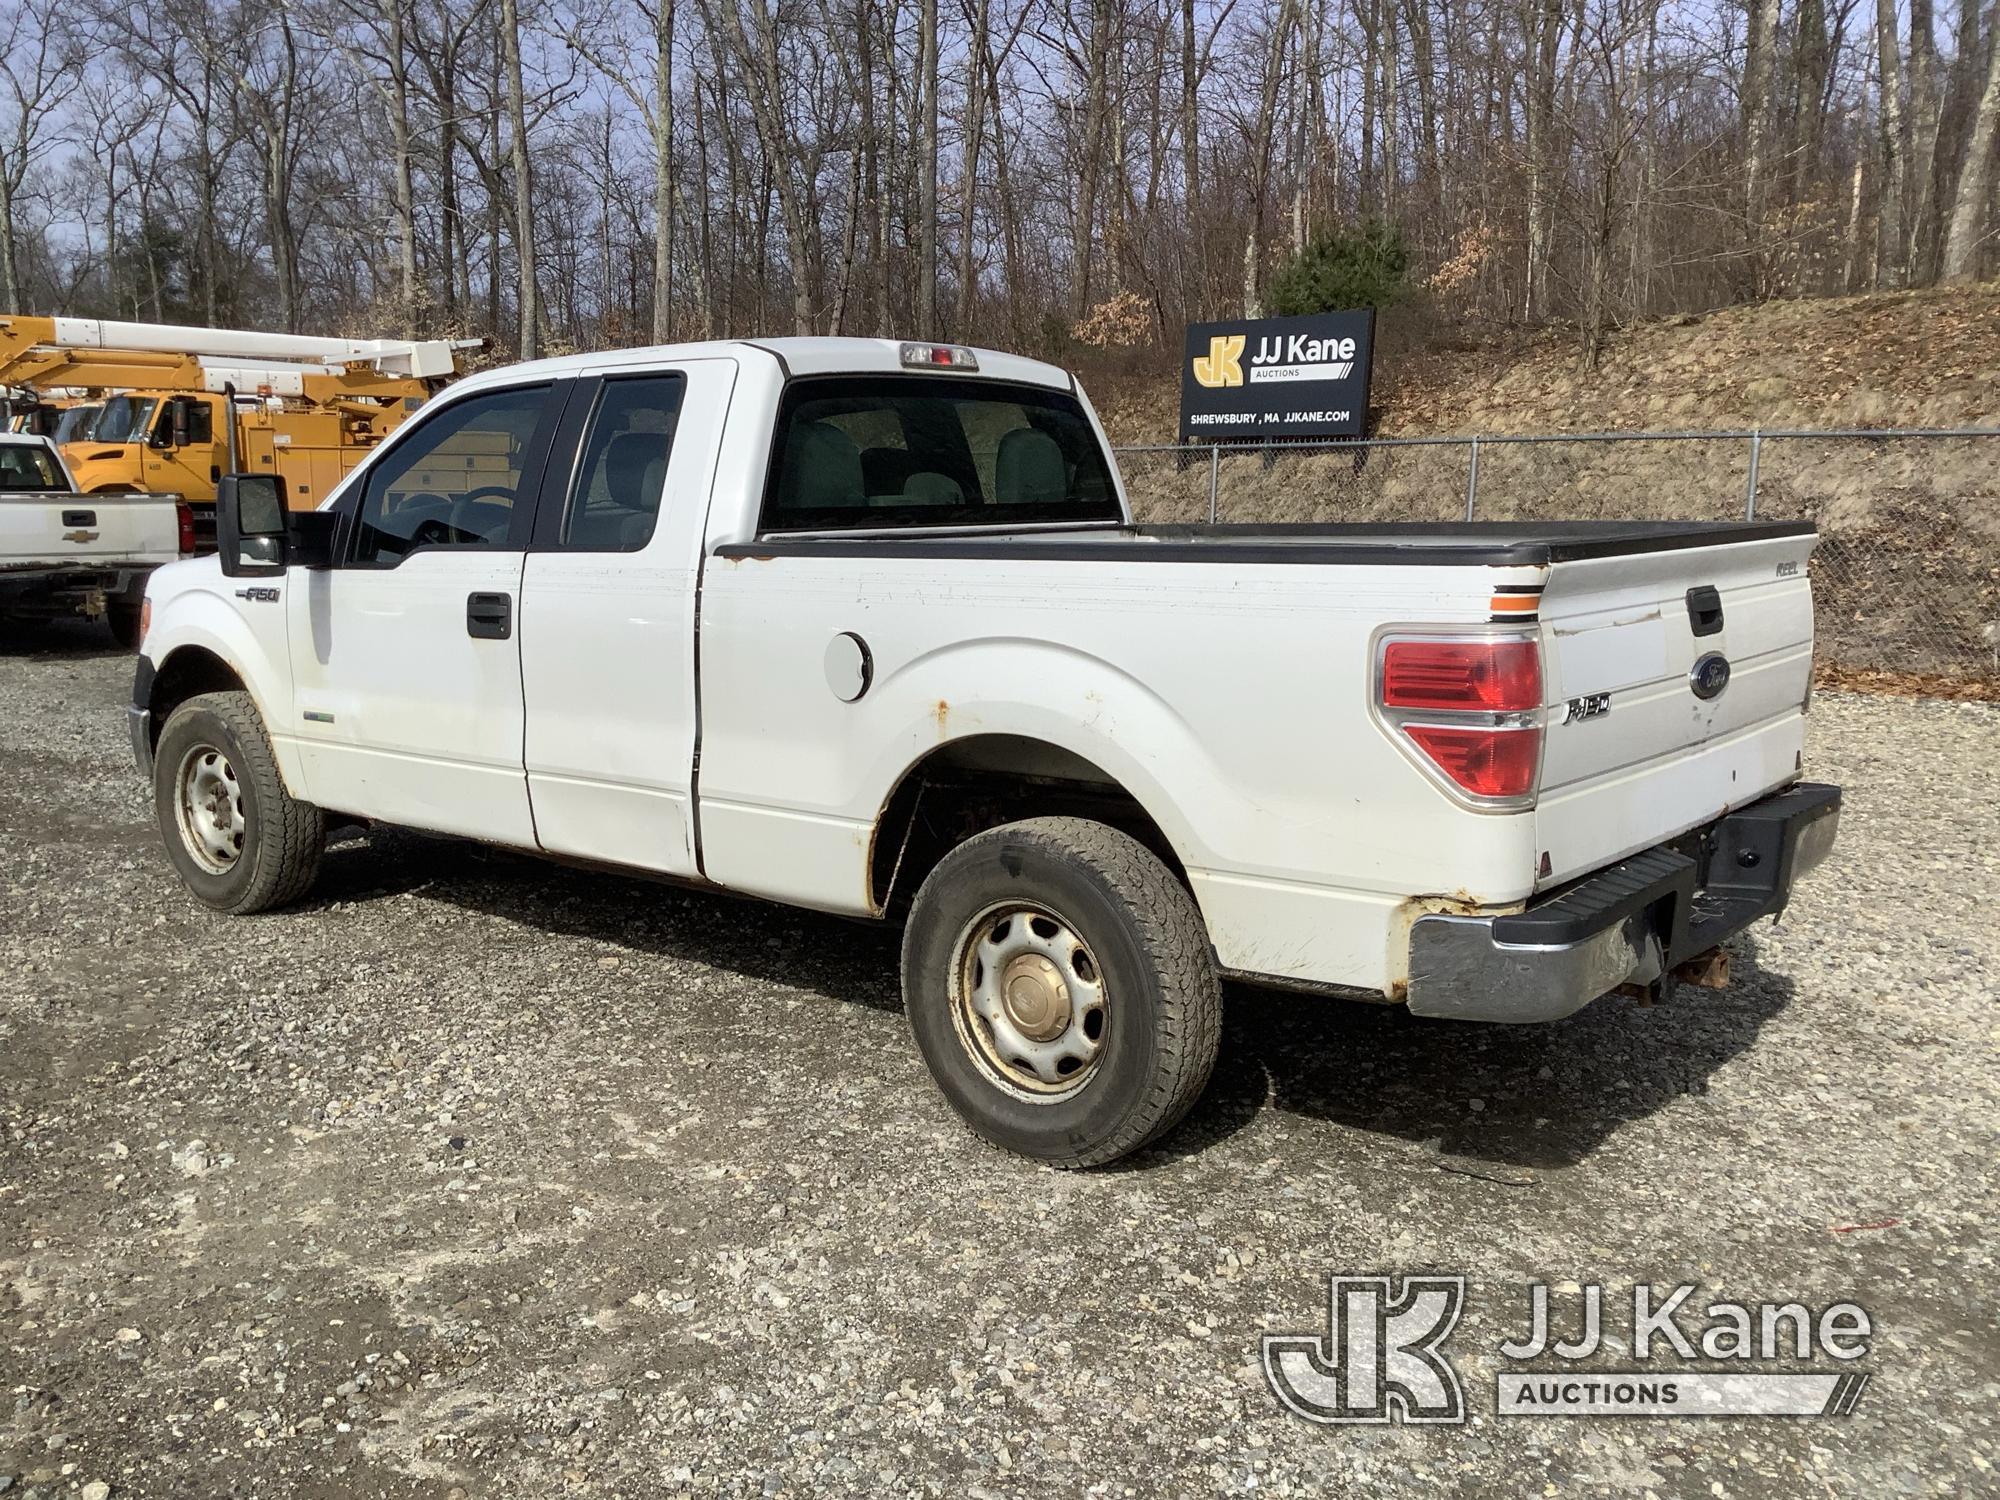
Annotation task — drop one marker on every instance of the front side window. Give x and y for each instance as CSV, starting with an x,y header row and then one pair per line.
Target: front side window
x,y
199,419
454,480
123,419
898,450
622,473
29,466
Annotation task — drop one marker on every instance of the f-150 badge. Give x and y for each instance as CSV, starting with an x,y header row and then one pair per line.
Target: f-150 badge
x,y
1590,706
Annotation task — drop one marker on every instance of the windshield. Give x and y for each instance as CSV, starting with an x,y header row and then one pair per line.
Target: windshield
x,y
123,419
74,423
29,466
917,450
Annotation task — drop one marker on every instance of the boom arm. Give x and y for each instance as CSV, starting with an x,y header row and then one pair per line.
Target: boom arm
x,y
45,353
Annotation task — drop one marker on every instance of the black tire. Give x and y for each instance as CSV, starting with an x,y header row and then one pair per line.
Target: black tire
x,y
124,622
1142,946
277,854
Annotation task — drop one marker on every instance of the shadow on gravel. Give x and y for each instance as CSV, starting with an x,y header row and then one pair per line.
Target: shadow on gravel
x,y
1516,1096
58,640
852,961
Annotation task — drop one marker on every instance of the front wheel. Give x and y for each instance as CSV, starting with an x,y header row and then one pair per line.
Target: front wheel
x,y
1061,987
240,841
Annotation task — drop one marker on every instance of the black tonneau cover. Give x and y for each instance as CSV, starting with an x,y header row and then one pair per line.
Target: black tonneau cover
x,y
1494,544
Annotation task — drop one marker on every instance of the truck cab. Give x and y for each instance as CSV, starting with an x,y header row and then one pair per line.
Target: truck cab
x,y
865,626
159,442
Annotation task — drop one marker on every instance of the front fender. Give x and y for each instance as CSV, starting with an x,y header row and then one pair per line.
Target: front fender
x,y
195,608
105,473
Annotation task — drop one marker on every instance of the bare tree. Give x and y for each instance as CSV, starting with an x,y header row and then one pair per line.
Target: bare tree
x,y
1008,169
1975,177
41,71
927,159
1891,240
1544,42
1759,63
524,182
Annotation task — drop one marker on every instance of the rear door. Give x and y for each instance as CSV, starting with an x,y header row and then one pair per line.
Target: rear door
x,y
406,655
607,616
1677,681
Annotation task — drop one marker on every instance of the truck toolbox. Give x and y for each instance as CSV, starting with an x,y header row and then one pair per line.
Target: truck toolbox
x,y
1631,923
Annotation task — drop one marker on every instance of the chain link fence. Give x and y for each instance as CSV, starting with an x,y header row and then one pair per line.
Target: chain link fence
x,y
1906,577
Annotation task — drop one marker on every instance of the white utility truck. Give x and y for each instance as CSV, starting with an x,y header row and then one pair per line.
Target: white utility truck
x,y
866,627
65,553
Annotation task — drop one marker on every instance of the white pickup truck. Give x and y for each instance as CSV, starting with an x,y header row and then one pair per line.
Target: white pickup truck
x,y
64,553
866,627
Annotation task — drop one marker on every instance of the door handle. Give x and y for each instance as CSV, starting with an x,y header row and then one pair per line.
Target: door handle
x,y
489,617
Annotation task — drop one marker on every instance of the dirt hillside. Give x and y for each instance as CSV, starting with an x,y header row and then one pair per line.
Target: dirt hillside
x,y
1908,569
1910,359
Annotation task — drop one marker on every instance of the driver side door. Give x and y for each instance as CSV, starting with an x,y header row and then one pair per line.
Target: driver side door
x,y
406,656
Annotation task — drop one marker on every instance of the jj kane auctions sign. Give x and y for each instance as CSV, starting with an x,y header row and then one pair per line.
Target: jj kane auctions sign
x,y
1277,378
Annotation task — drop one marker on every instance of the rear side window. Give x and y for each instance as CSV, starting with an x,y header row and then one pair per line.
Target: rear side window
x,y
74,423
28,466
622,473
899,450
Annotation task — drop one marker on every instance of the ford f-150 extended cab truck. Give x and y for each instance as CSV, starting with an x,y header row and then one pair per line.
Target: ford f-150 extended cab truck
x,y
65,553
866,627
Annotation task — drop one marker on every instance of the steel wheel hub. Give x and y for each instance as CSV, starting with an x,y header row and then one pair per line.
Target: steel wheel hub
x,y
209,805
1035,997
1029,1005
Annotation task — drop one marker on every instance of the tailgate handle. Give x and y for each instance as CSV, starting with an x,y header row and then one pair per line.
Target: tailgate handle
x,y
79,518
1705,609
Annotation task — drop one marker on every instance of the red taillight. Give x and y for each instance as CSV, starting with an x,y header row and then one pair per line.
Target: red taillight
x,y
1485,760
184,514
1470,709
1483,676
145,619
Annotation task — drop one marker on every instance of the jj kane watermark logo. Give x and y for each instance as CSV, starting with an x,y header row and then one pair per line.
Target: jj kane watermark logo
x,y
1382,1356
1379,1360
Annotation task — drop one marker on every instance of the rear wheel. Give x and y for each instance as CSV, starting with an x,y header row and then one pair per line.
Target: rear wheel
x,y
124,622
240,841
1061,987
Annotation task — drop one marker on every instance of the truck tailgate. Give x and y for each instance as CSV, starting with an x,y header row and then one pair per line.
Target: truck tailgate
x,y
40,529
1677,683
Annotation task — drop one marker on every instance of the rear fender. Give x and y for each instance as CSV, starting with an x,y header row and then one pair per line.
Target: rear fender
x,y
1057,695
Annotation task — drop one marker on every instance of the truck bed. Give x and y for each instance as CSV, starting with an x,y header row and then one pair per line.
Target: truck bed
x,y
1472,543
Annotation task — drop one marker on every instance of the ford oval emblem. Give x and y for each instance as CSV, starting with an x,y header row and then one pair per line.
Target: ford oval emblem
x,y
1709,676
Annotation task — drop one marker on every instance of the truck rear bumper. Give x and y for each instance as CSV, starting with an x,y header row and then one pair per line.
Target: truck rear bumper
x,y
1630,923
72,590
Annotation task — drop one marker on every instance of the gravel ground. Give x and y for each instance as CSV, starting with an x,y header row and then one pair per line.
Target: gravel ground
x,y
475,1176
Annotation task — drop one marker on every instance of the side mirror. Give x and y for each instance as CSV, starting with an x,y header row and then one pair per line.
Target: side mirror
x,y
178,414
250,530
